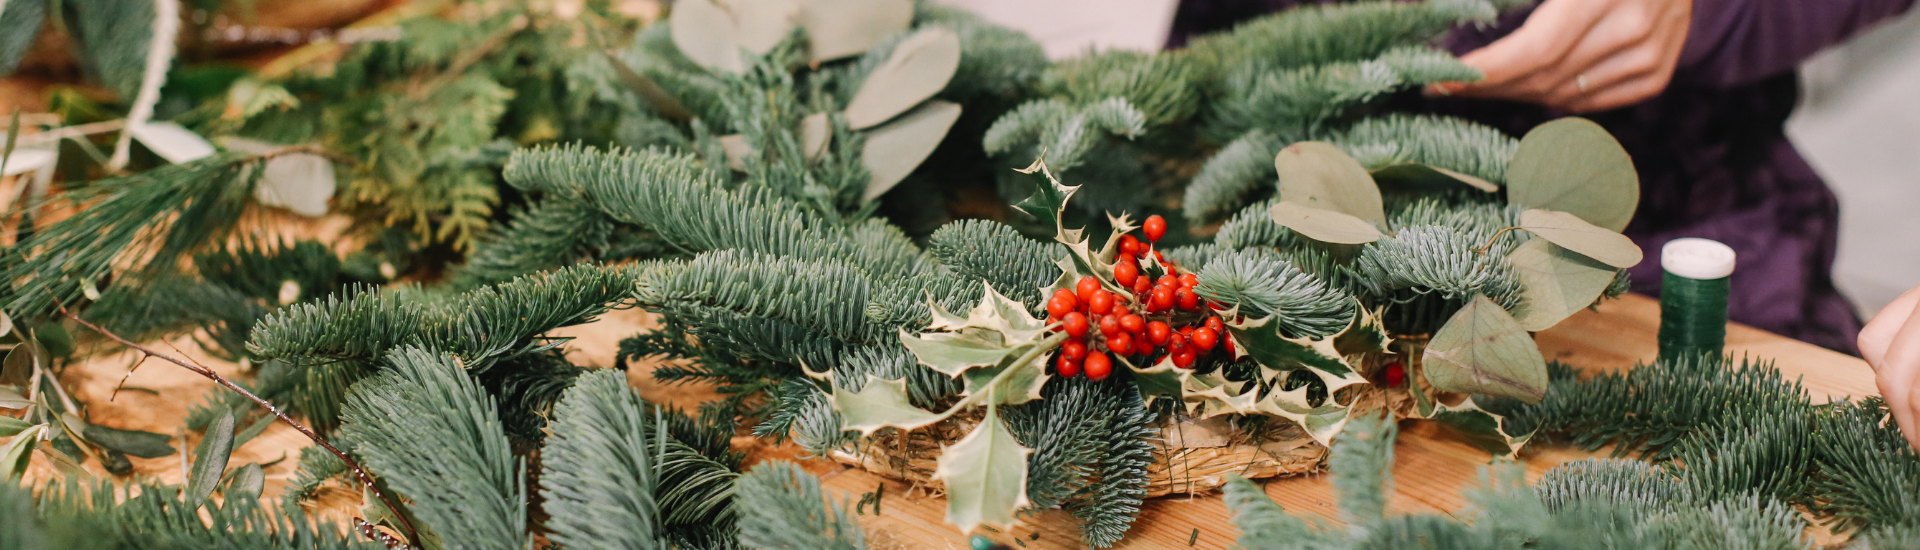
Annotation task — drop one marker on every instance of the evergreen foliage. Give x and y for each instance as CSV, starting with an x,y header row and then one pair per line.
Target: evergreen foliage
x,y
788,514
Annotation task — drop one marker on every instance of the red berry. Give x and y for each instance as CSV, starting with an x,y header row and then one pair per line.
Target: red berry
x,y
1126,273
1184,359
1158,332
1109,325
1155,227
1065,296
1395,375
1121,343
1134,323
1189,280
1057,308
1099,366
1217,325
1187,299
1085,288
1205,339
1067,367
1074,349
1169,280
1101,303
1162,298
1142,285
1226,341
1076,324
1216,306
1129,245
1176,342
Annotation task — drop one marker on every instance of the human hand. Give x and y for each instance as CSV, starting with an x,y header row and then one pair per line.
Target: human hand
x,y
1582,55
1891,343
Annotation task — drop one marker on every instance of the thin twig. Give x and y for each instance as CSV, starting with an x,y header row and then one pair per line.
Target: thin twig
x,y
360,472
58,134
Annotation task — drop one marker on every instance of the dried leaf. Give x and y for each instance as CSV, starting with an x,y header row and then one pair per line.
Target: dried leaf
x,y
1325,226
705,34
210,460
1555,282
881,403
1573,165
1482,349
986,476
298,182
1319,175
1575,234
21,161
21,361
839,28
132,442
894,149
917,69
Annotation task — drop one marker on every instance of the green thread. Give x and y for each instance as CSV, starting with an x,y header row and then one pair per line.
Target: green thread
x,y
1693,315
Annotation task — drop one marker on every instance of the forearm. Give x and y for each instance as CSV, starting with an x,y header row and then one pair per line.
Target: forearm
x,y
1733,42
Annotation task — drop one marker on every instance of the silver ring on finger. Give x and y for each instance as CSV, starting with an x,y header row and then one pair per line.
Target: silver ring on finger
x,y
1580,81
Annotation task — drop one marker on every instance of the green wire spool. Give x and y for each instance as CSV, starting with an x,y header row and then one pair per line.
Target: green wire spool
x,y
1693,297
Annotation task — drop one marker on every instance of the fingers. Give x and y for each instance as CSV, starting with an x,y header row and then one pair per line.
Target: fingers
x,y
1879,332
1898,373
1620,77
1609,54
1544,41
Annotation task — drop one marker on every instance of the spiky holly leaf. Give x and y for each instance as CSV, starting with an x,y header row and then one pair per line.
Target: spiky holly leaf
x,y
996,313
1573,165
1048,200
1007,387
1217,395
880,404
1261,339
1322,423
953,353
1556,282
986,476
1482,429
1482,349
1364,335
1160,380
1573,233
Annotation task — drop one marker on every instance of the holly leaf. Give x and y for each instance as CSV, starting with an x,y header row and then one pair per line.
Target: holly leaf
x,y
1216,394
1573,233
1318,175
894,149
1322,423
918,68
705,34
1326,226
1364,335
1020,386
881,403
1160,380
953,353
1573,165
1480,428
1555,283
1262,340
1482,349
132,442
1048,199
840,28
986,476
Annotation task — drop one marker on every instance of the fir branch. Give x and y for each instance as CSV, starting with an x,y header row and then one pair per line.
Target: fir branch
x,y
1254,226
1240,173
1330,33
597,474
1453,144
547,234
1156,85
783,508
1868,476
1362,467
1262,283
1018,267
77,514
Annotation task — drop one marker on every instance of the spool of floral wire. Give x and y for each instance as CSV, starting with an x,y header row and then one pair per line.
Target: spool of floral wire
x,y
1693,296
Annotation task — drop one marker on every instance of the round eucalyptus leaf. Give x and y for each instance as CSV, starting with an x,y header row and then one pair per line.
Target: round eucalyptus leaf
x,y
918,68
816,132
1482,349
894,149
1573,233
704,33
298,182
759,25
1555,282
1573,165
1319,175
1325,226
839,28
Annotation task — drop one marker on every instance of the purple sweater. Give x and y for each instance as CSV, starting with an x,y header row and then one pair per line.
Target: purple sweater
x,y
1712,150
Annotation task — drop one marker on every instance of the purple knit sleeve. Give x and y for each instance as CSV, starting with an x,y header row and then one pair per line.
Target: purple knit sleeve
x,y
1735,42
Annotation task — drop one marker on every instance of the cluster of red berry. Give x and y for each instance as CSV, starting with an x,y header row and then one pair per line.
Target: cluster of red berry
x,y
1142,324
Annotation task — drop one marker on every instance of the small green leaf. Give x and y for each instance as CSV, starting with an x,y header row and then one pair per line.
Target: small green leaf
x,y
952,354
881,403
917,69
894,149
210,460
705,34
1048,199
246,481
10,399
132,442
1555,282
254,430
10,425
13,135
1480,428
816,132
986,476
1573,233
1573,165
13,457
840,28
1319,175
1325,226
1482,349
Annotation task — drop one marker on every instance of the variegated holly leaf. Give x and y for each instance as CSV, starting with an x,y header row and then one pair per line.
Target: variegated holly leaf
x,y
1326,226
1007,385
1322,423
1366,334
1573,233
953,353
1261,339
1217,395
1573,165
1482,349
996,313
986,476
1555,282
1483,429
881,403
1048,200
1160,380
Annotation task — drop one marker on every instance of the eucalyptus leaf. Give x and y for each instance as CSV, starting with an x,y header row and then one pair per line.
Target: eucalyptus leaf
x,y
13,456
172,142
10,399
1430,178
1319,175
132,442
1573,165
759,25
816,132
1482,349
246,481
20,362
1555,282
881,403
21,161
705,34
6,324
210,460
1573,233
300,182
894,149
1326,226
917,69
839,28
986,476
11,426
